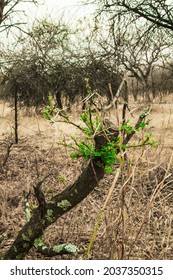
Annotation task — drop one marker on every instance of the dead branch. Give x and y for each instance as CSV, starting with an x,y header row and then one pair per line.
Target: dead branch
x,y
117,95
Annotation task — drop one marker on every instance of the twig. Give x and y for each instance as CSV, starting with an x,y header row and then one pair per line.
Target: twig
x,y
40,195
7,154
117,95
140,119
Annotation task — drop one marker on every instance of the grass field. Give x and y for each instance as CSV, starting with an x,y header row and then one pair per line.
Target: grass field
x,y
138,220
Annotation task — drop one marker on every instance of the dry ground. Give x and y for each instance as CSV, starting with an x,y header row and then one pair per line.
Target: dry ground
x,y
137,224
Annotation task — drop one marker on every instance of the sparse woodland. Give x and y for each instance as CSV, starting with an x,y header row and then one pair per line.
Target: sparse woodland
x,y
86,150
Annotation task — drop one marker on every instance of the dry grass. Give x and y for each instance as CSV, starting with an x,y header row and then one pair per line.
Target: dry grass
x,y
137,222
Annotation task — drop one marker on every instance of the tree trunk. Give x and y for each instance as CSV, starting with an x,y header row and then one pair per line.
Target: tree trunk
x,y
16,116
58,99
59,205
48,212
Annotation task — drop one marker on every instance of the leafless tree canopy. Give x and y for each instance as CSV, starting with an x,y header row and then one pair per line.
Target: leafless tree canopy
x,y
157,12
7,10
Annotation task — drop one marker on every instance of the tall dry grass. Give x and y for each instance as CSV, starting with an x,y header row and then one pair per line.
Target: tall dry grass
x,y
137,219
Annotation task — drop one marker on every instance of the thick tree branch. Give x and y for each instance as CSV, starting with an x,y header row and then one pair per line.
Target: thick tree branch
x,y
159,13
59,205
63,202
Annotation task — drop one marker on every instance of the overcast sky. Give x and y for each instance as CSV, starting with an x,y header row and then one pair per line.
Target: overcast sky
x,y
72,9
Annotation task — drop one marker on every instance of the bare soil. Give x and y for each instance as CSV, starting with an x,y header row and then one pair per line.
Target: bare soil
x,y
127,230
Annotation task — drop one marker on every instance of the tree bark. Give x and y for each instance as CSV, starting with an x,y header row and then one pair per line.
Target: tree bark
x,y
59,205
16,115
49,211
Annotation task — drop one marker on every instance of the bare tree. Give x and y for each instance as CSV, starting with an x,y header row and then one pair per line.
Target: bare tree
x,y
158,12
142,54
8,8
131,44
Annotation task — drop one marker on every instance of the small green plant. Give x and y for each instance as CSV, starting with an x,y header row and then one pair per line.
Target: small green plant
x,y
92,126
49,108
108,154
92,122
127,128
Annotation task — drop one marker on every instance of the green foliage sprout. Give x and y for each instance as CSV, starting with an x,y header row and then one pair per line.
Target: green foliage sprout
x,y
108,153
93,125
49,108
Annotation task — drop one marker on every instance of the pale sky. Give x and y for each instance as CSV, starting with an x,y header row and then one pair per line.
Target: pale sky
x,y
72,9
